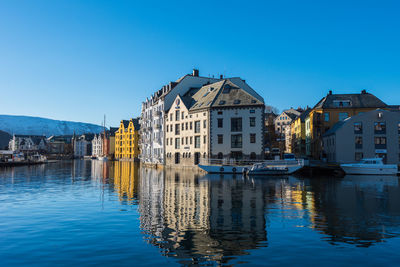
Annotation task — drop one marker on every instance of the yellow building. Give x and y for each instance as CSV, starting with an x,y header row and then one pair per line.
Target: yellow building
x,y
331,109
298,132
127,139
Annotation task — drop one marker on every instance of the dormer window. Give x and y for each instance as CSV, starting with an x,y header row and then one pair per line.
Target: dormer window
x,y
342,103
222,102
236,102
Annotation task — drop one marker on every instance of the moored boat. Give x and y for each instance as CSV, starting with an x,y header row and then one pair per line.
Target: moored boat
x,y
372,166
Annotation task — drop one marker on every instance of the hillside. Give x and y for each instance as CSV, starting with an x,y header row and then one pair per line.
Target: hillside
x,y
42,126
4,139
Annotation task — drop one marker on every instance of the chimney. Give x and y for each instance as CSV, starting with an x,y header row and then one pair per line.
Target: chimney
x,y
221,76
195,73
363,91
330,92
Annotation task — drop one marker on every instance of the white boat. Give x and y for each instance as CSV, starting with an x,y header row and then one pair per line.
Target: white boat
x,y
275,167
282,167
372,166
102,158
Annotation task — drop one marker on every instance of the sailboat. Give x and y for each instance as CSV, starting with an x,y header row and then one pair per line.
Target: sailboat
x,y
104,156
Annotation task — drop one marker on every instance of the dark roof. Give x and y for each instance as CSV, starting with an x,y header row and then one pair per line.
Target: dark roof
x,y
363,100
304,115
126,123
113,130
335,127
136,124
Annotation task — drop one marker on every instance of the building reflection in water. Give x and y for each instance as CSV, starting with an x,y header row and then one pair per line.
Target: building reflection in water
x,y
198,219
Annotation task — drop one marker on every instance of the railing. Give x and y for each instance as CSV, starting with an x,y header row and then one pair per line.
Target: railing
x,y
235,162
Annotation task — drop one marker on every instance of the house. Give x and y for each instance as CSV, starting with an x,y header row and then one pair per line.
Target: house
x,y
334,108
298,134
375,133
282,128
109,143
127,140
61,144
82,145
28,143
152,122
97,145
221,120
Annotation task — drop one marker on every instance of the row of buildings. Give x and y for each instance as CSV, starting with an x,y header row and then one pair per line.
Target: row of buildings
x,y
340,128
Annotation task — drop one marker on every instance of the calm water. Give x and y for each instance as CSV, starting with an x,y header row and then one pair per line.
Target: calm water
x,y
91,213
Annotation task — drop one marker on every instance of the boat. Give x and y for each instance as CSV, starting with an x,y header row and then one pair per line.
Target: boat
x,y
284,167
371,166
102,158
271,167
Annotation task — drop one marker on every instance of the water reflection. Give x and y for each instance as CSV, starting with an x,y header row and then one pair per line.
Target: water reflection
x,y
200,218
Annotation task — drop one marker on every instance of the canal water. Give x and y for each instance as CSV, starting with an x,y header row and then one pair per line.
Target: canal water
x,y
90,213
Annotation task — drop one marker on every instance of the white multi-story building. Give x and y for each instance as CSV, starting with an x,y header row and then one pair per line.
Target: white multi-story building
x,y
152,133
27,143
97,145
221,120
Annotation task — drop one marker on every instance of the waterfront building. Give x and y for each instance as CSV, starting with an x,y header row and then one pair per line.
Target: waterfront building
x,y
61,144
298,134
127,140
270,136
97,145
282,128
109,143
332,109
221,120
152,123
82,145
28,143
370,134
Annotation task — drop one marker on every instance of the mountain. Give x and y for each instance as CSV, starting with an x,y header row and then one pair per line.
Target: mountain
x,y
4,139
41,126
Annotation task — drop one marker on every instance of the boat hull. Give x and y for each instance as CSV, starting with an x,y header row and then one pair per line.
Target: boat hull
x,y
224,169
275,171
384,170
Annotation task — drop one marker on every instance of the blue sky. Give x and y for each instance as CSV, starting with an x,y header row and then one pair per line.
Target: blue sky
x,y
78,60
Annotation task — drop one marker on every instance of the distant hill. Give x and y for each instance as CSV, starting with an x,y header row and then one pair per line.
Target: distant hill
x,y
4,139
41,126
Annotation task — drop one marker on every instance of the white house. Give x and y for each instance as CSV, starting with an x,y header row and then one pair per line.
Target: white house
x,y
28,143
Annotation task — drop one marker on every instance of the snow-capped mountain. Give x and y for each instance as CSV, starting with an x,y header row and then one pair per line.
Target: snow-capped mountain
x,y
42,126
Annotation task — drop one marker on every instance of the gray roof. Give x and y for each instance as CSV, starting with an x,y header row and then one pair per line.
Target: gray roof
x,y
363,100
304,114
126,123
223,93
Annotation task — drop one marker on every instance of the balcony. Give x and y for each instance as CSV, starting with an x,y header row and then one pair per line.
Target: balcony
x,y
157,126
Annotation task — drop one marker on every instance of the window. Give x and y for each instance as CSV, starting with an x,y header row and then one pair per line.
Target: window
x,y
358,141
183,141
398,126
220,123
197,126
252,138
204,139
380,127
252,121
220,138
177,115
170,117
252,155
182,115
220,155
186,141
342,103
236,124
191,125
177,143
191,140
222,102
252,111
236,141
167,141
186,126
358,128
380,142
205,124
197,142
219,112
236,101
343,116
177,129
183,126
326,116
